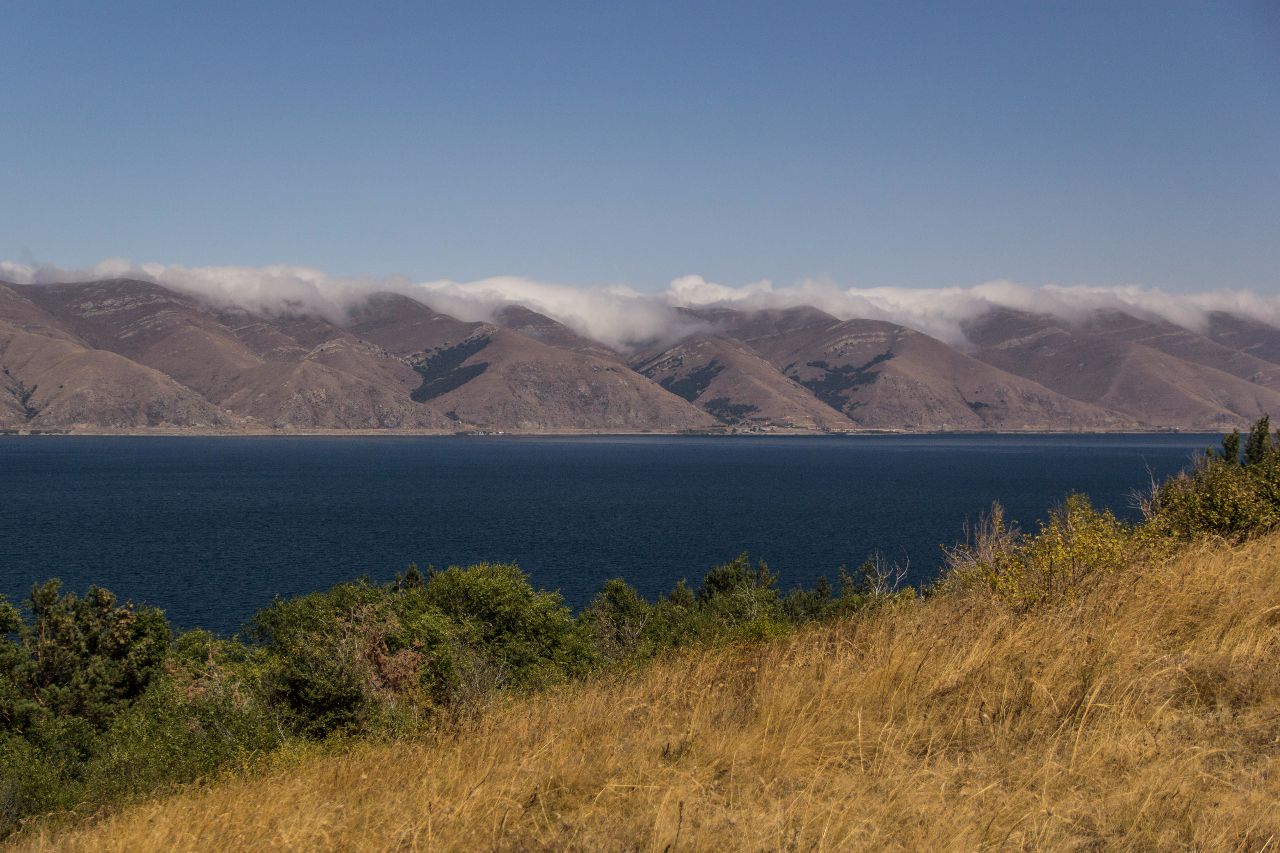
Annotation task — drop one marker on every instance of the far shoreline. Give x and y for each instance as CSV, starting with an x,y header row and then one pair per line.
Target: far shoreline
x,y
728,433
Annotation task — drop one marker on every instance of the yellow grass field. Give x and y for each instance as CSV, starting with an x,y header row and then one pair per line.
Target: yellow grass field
x,y
1143,716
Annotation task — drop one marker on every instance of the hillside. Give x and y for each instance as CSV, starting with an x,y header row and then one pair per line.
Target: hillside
x,y
1141,716
737,386
1155,373
885,376
122,355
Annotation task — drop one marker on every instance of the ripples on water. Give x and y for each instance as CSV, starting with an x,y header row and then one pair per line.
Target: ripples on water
x,y
211,528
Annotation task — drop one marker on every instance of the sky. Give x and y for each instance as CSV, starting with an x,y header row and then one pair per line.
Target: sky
x,y
865,144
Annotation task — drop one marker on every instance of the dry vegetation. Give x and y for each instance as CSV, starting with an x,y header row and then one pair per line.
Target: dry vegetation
x,y
1144,714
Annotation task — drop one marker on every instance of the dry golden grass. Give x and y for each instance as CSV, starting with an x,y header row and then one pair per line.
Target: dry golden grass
x,y
1146,716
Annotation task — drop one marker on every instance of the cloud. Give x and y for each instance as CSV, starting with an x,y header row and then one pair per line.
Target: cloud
x,y
624,318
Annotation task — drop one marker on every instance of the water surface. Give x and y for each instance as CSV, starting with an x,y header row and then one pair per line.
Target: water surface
x,y
211,528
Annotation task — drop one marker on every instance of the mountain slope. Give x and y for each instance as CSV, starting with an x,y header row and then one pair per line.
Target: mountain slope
x,y
542,328
53,379
391,366
122,354
1184,344
1122,372
1249,336
738,386
493,377
887,376
286,373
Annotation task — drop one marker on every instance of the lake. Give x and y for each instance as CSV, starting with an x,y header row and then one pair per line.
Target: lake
x,y
211,528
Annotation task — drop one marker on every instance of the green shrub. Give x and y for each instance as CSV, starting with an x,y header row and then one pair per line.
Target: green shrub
x,y
65,677
79,657
355,656
31,783
178,731
528,638
738,592
1219,496
1073,545
618,622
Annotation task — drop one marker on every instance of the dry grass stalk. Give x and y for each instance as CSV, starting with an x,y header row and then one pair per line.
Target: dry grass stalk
x,y
1144,715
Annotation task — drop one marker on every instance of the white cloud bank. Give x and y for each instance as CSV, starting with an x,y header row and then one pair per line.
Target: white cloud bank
x,y
620,317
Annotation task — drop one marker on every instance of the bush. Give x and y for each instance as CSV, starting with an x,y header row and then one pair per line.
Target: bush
x,y
80,657
178,731
100,703
357,655
1219,496
619,623
65,677
528,637
1073,545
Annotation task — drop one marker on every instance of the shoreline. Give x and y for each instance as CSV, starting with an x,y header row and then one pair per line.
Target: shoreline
x,y
568,433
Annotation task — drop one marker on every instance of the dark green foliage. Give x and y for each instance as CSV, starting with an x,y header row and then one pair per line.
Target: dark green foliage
x,y
80,658
1231,447
411,579
337,661
67,675
529,637
1219,496
618,622
739,591
1259,443
681,595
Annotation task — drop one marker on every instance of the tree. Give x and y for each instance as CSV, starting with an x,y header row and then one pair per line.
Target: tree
x,y
739,591
1231,447
1258,444
83,658
617,619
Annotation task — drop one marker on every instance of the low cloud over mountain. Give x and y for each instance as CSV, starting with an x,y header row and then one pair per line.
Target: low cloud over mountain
x,y
123,346
621,317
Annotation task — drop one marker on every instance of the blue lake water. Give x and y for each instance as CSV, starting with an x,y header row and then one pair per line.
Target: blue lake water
x,y
211,528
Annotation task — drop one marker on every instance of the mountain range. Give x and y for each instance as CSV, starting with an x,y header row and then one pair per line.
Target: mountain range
x,y
122,355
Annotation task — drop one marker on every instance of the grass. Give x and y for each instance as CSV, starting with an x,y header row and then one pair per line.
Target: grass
x,y
1143,714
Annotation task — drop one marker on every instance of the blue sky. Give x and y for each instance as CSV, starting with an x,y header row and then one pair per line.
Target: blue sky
x,y
894,143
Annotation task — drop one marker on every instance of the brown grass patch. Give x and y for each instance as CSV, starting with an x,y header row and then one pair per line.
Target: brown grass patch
x,y
1145,715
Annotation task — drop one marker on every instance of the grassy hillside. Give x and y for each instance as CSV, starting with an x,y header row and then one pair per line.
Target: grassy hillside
x,y
1142,712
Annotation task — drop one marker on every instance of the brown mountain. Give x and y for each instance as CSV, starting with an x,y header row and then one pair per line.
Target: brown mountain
x,y
1184,344
491,376
738,386
284,373
54,379
885,376
1140,369
540,327
1248,336
124,355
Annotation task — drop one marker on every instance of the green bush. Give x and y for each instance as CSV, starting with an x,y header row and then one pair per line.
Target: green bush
x,y
100,702
620,624
1219,496
345,659
1073,545
79,657
528,638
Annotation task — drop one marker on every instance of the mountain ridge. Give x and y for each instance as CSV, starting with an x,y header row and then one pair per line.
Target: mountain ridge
x,y
124,355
